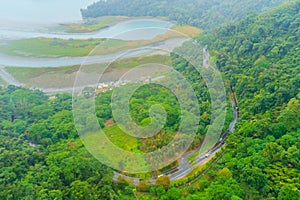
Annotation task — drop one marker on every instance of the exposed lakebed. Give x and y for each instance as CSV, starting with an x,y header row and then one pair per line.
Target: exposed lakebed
x,y
134,29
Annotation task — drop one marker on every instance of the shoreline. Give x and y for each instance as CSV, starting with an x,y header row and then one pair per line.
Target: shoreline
x,y
40,62
53,31
124,20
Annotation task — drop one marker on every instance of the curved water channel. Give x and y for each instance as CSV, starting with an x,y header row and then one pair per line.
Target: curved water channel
x,y
134,29
138,29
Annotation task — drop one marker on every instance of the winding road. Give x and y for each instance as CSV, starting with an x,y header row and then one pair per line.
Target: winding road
x,y
185,166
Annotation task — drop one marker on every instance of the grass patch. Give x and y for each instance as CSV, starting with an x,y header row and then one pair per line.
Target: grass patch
x,y
24,74
102,148
192,157
54,47
91,25
58,77
190,31
136,61
121,139
46,47
45,77
2,82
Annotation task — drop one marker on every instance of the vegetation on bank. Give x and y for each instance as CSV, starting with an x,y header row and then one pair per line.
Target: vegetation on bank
x,y
54,47
57,77
187,30
91,25
259,57
2,82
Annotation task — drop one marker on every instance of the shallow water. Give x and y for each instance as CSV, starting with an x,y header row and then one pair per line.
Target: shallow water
x,y
140,29
167,46
41,11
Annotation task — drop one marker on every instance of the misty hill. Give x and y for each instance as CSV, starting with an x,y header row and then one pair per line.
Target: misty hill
x,y
260,58
205,14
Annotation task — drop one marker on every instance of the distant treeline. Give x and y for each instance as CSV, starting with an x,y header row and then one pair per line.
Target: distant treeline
x,y
205,14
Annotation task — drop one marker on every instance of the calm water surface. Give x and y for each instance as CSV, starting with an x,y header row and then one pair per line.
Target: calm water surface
x,y
31,18
140,29
40,11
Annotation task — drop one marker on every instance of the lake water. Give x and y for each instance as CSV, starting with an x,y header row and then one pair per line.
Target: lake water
x,y
31,19
37,11
6,60
139,29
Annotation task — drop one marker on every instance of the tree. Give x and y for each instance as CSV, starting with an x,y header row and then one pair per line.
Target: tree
x,y
163,181
225,172
88,92
224,190
81,190
172,194
290,116
289,192
253,176
274,152
144,185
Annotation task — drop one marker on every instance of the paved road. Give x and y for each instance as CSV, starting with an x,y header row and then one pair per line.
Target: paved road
x,y
206,59
235,114
185,166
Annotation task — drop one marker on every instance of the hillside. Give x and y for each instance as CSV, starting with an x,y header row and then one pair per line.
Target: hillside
x,y
205,14
261,58
41,156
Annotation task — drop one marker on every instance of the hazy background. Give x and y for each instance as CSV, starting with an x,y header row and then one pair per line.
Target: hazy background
x,y
41,11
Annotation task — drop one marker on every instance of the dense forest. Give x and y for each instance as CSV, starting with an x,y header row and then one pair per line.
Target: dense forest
x,y
205,14
259,57
58,166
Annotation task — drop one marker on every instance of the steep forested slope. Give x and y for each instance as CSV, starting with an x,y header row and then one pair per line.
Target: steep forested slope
x,y
201,13
260,58
58,166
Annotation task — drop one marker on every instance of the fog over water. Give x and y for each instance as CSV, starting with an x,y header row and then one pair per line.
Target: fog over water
x,y
16,12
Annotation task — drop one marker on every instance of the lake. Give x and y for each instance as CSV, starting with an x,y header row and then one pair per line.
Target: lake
x,y
31,19
137,29
6,60
37,11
